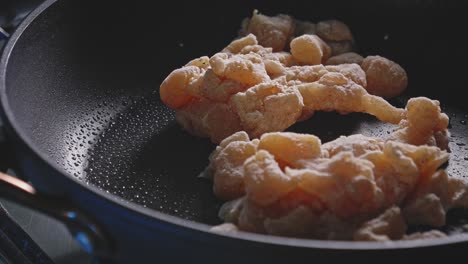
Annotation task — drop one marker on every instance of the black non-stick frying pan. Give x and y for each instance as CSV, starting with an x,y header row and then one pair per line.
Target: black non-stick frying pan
x,y
79,87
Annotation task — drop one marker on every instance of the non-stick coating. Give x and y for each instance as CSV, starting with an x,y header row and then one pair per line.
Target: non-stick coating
x,y
83,85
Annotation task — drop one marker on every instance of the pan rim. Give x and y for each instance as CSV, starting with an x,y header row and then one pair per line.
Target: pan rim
x,y
173,220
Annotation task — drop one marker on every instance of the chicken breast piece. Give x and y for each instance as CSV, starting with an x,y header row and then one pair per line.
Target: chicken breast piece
x,y
353,188
249,87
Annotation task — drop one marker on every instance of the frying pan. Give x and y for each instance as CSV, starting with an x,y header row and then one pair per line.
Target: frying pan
x,y
85,126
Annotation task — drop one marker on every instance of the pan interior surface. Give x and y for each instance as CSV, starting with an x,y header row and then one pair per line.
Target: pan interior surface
x,y
97,113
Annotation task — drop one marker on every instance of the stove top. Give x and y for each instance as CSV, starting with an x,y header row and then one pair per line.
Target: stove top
x,y
27,236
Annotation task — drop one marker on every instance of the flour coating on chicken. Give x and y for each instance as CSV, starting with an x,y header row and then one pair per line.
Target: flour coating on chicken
x,y
281,71
352,188
248,87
